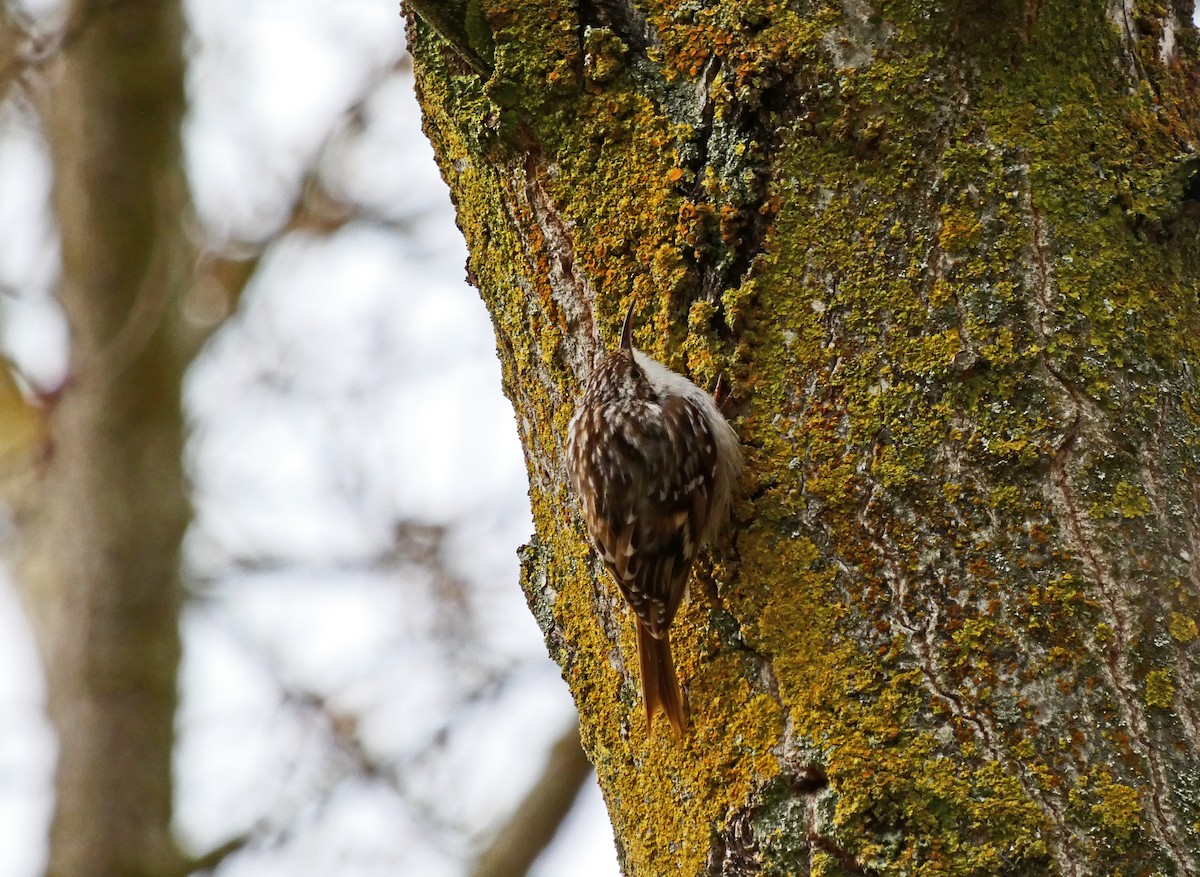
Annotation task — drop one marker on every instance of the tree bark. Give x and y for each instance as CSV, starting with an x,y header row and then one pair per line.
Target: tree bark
x,y
102,517
947,254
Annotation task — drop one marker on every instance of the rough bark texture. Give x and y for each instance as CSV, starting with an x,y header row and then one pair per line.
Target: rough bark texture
x,y
947,254
101,519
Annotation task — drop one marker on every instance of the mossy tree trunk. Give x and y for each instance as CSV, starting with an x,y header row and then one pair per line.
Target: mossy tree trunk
x,y
947,254
101,512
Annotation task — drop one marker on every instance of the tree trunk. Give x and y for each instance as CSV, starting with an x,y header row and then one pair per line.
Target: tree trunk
x,y
947,254
102,518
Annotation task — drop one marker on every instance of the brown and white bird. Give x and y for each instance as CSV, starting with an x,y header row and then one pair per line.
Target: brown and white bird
x,y
653,462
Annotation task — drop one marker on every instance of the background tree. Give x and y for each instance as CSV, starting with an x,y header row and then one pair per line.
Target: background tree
x,y
102,527
947,254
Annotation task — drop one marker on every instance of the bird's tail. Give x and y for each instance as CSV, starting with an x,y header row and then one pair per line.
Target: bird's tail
x,y
660,687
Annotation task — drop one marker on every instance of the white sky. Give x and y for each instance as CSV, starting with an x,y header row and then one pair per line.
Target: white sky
x,y
355,389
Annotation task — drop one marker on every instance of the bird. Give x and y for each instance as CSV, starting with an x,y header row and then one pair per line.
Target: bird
x,y
653,462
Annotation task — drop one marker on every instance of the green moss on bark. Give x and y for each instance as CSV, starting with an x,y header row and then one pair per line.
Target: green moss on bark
x,y
947,260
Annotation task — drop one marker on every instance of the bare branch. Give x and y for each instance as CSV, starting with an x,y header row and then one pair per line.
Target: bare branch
x,y
534,824
217,856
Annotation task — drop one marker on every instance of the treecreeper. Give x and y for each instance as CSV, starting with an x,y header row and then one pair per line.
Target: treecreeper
x,y
653,462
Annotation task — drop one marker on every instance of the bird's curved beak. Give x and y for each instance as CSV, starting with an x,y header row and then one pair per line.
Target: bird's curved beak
x,y
627,329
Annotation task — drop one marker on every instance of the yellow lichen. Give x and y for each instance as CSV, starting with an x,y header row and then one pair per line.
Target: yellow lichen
x,y
1160,688
1182,628
1116,807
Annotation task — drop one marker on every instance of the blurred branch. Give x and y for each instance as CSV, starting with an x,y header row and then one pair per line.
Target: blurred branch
x,y
317,210
352,757
22,49
416,545
534,824
215,858
220,278
12,37
24,436
224,270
